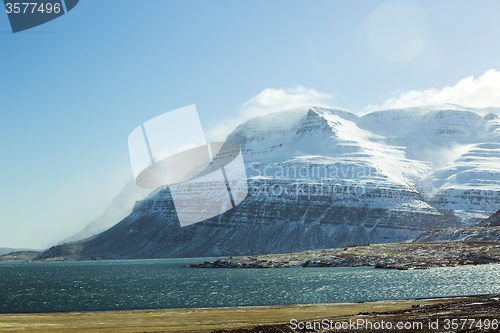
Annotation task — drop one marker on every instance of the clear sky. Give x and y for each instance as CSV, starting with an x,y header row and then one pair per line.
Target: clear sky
x,y
73,89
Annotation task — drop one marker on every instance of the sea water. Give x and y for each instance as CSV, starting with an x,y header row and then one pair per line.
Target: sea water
x,y
166,283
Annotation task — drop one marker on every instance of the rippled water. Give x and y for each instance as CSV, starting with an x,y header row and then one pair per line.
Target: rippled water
x,y
164,283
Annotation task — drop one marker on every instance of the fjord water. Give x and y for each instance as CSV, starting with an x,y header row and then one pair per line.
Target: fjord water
x,y
165,283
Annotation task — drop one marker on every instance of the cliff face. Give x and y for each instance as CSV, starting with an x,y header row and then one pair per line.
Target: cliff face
x,y
322,178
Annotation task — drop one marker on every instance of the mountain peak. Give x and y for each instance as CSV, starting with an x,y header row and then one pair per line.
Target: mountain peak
x,y
324,111
490,116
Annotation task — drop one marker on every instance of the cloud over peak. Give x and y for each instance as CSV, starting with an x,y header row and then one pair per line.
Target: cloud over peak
x,y
273,100
267,101
482,92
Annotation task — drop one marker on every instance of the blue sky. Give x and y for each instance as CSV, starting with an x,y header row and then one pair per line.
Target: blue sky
x,y
73,89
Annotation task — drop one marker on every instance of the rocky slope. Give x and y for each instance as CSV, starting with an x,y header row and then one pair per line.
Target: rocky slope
x,y
492,221
487,231
323,178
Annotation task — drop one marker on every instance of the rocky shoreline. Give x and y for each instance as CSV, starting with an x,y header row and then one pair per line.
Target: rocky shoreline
x,y
401,256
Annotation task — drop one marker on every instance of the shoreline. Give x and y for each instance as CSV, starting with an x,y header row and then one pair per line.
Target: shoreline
x,y
238,319
401,256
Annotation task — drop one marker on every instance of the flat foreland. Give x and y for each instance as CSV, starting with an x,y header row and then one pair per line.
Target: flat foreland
x,y
391,255
20,256
268,319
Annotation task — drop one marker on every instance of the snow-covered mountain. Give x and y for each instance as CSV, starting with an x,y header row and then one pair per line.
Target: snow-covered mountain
x,y
461,146
323,177
449,154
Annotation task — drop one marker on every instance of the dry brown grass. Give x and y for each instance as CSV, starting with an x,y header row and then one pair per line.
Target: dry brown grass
x,y
190,320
